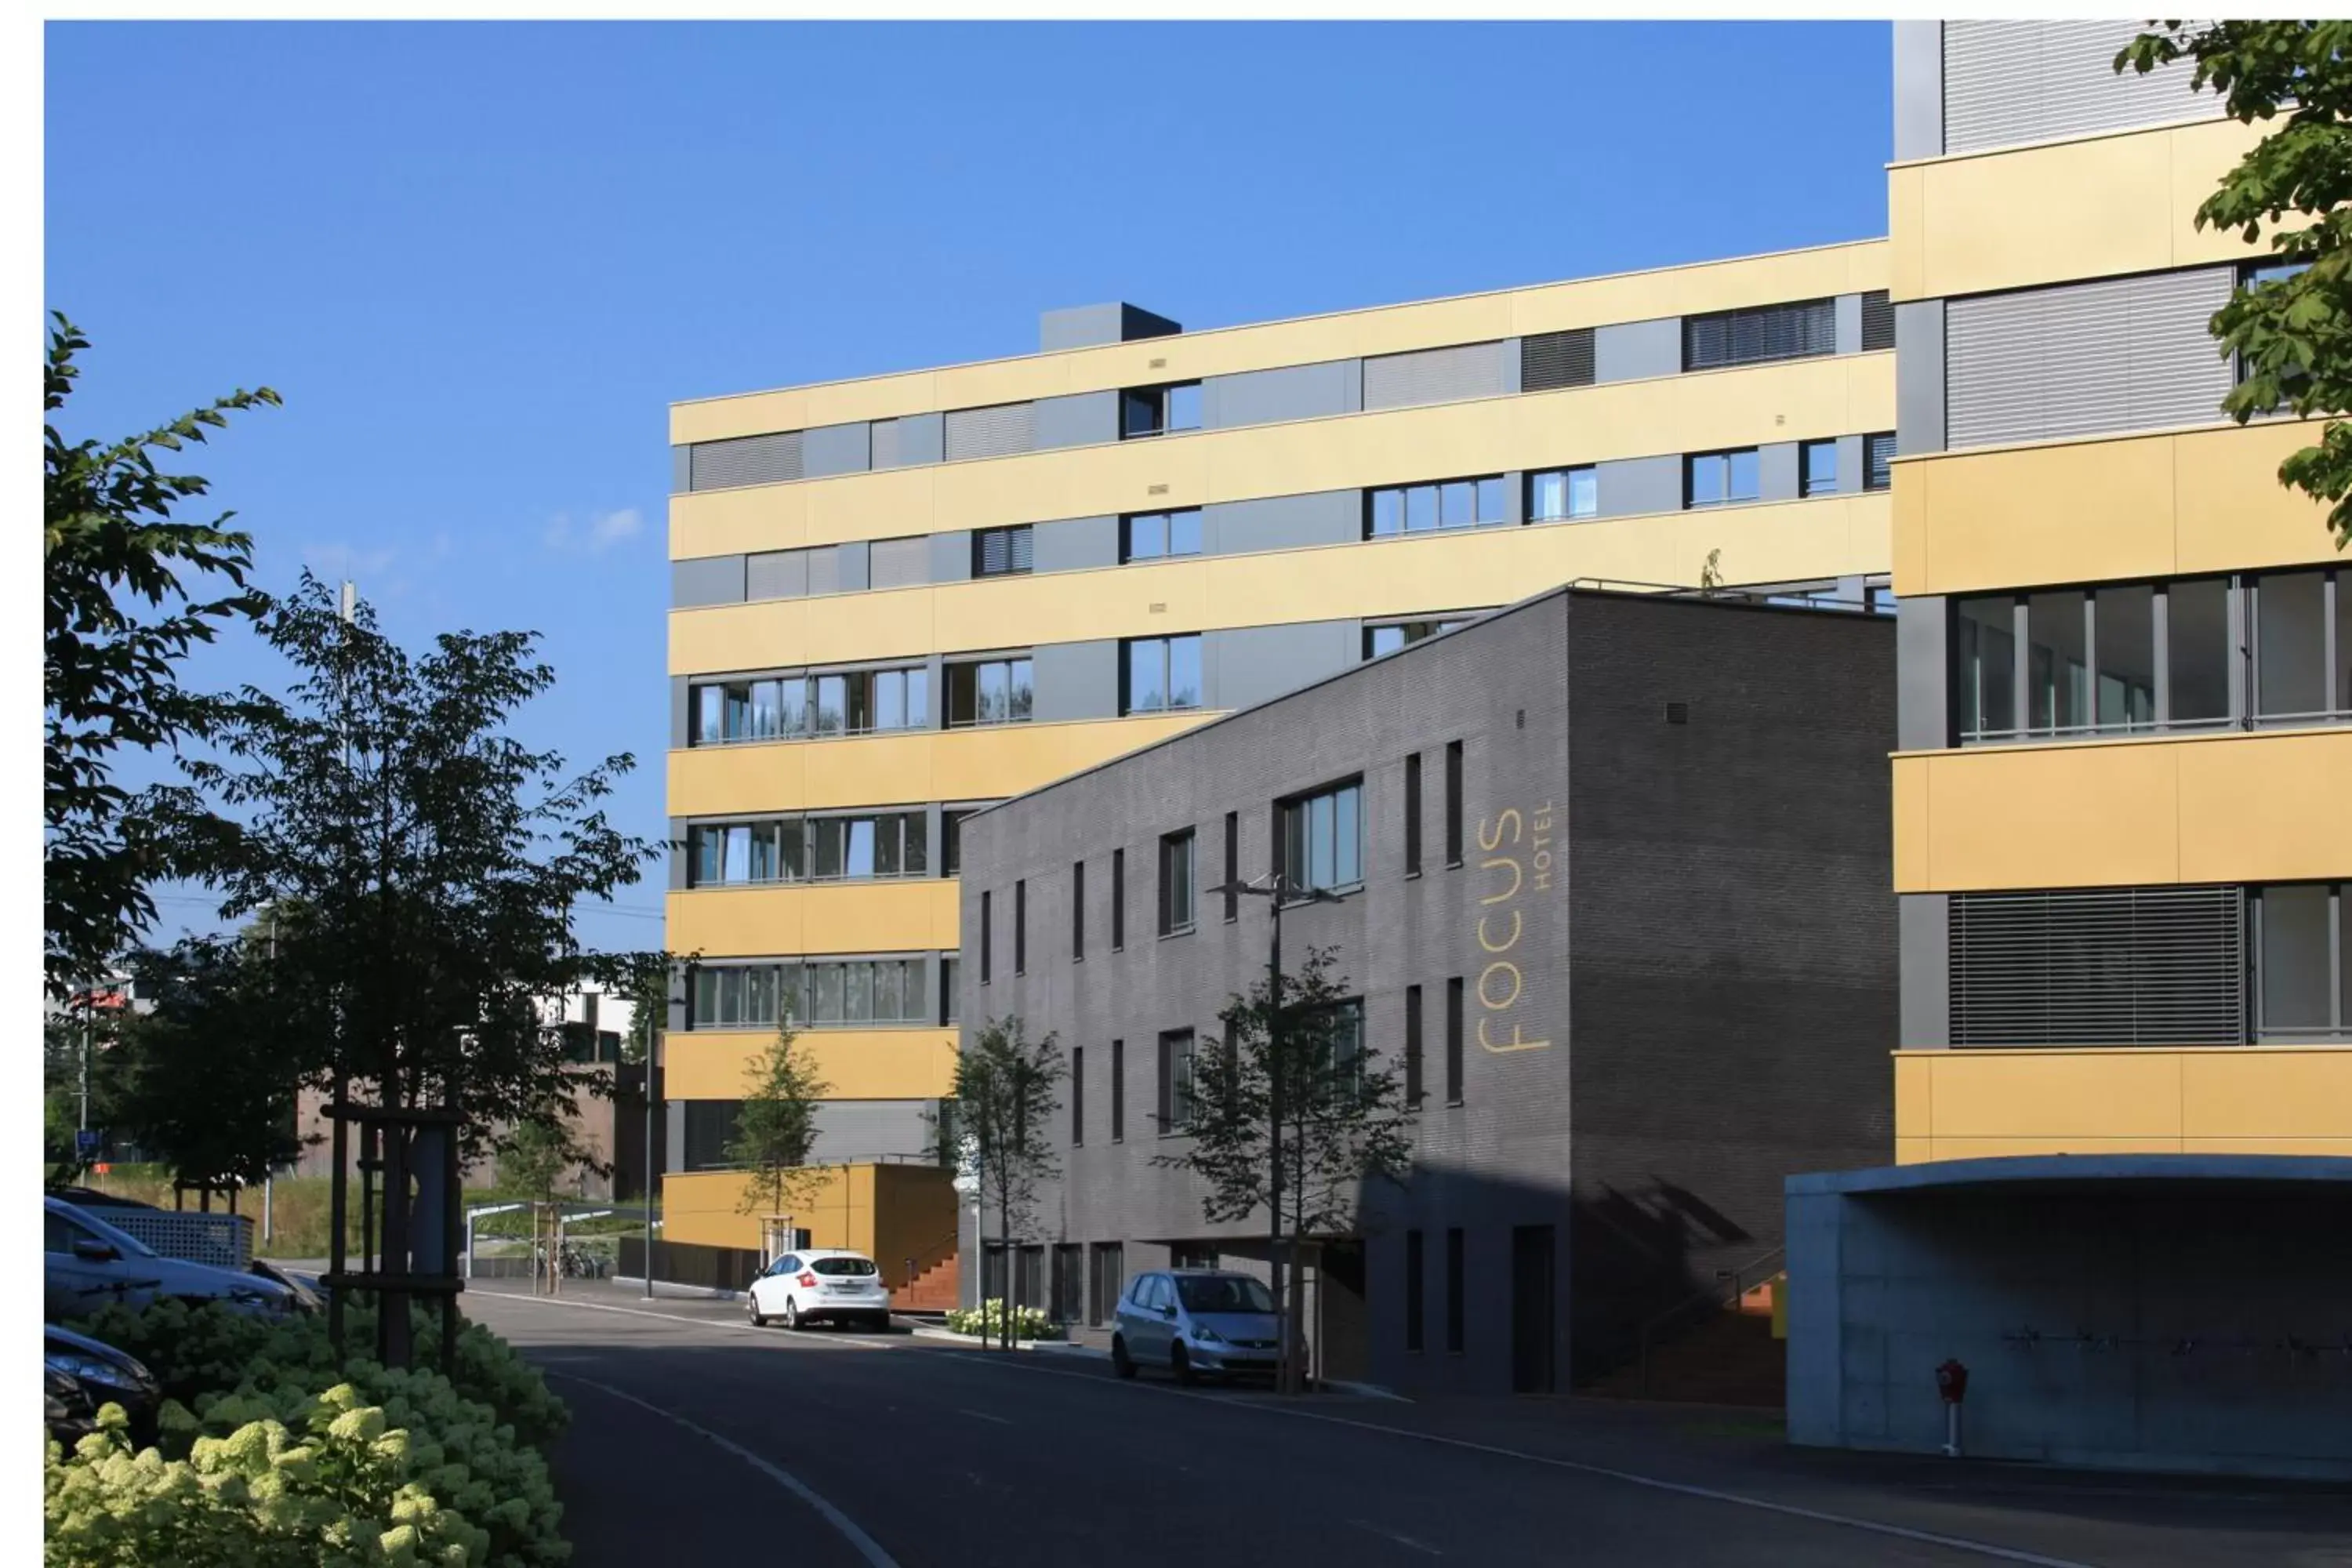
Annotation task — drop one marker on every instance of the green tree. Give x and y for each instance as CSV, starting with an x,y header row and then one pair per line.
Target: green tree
x,y
129,591
209,1069
1291,1117
2292,331
429,866
1005,1098
534,1158
777,1130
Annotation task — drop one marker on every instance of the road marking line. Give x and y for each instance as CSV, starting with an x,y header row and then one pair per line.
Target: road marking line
x,y
783,1339
1392,1535
1681,1488
983,1415
868,1547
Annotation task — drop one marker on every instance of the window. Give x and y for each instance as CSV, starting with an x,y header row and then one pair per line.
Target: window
x,y
1550,360
1117,900
1078,1096
1454,1295
2302,957
1107,1269
818,994
898,563
1726,338
1163,674
796,707
1413,815
1559,495
1069,1281
1454,1041
1413,1271
951,989
1233,867
1323,840
1155,536
1021,927
1159,410
1175,1081
1118,1090
1176,883
2137,656
1203,1295
2251,278
1720,479
951,839
1077,911
1413,1089
1386,639
1453,802
2098,967
709,1128
1878,460
1817,473
795,849
1877,321
987,938
991,692
1002,552
1345,1023
1422,509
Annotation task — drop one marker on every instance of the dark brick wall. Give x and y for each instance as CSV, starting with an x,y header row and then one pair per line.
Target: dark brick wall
x,y
1734,975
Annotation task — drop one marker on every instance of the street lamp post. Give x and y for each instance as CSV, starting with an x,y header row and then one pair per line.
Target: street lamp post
x,y
1278,892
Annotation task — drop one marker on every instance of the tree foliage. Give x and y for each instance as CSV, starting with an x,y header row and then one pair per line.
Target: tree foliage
x,y
777,1130
534,1159
2292,335
426,864
130,590
207,1073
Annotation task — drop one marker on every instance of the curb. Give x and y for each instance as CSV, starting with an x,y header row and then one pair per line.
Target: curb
x,y
1050,1347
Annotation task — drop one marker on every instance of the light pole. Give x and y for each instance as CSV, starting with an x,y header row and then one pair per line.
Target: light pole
x,y
1278,892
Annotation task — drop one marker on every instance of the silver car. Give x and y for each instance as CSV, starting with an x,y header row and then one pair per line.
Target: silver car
x,y
1196,1323
88,1263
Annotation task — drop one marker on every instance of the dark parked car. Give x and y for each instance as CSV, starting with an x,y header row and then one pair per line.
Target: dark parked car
x,y
84,1374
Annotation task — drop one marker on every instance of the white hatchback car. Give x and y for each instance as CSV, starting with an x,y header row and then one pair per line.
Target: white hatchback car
x,y
821,1284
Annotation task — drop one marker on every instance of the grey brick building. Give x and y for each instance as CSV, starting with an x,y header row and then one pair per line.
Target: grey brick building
x,y
1620,862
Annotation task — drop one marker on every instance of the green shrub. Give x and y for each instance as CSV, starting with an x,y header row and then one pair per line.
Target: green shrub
x,y
342,1487
1028,1323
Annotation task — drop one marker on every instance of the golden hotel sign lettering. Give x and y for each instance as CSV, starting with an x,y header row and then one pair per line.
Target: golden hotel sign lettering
x,y
1518,865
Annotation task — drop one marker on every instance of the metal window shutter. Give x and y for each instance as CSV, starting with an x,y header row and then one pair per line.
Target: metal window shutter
x,y
1726,338
990,432
1549,360
898,563
2008,82
2122,353
1877,322
883,440
2101,966
1004,550
745,460
1433,375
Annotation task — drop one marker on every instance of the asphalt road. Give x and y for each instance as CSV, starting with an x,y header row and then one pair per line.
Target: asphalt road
x,y
697,1439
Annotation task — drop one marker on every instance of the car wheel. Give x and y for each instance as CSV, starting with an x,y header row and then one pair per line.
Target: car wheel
x,y
759,1319
880,1323
1120,1363
1181,1364
793,1319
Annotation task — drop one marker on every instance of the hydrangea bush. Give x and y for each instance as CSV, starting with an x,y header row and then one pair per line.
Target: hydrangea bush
x,y
1028,1323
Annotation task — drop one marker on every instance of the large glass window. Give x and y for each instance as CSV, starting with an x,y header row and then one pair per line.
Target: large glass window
x,y
793,707
2292,633
2057,663
1559,495
1163,673
1155,536
1389,639
1159,410
1758,334
1422,509
1985,663
1817,467
1720,478
848,992
1322,840
2124,619
1176,910
990,691
2300,956
796,850
2197,651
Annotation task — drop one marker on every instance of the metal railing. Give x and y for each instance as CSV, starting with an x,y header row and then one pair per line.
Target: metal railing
x,y
1730,1286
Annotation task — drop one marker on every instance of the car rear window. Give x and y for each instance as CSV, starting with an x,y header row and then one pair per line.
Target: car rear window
x,y
857,1266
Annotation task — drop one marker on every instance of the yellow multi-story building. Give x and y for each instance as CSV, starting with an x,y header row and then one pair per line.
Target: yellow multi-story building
x,y
2126,670
899,598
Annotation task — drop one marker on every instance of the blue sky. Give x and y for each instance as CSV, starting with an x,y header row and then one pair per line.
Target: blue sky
x,y
478,260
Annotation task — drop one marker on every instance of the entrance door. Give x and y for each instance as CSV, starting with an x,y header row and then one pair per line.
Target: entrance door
x,y
1531,1309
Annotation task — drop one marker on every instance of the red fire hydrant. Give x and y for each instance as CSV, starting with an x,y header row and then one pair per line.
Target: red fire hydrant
x,y
1952,1383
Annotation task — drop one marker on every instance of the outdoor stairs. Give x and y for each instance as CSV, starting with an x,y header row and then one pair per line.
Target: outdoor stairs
x,y
1730,1358
932,1291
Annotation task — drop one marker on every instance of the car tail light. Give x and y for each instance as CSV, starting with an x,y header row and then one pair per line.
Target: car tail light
x,y
808,1281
